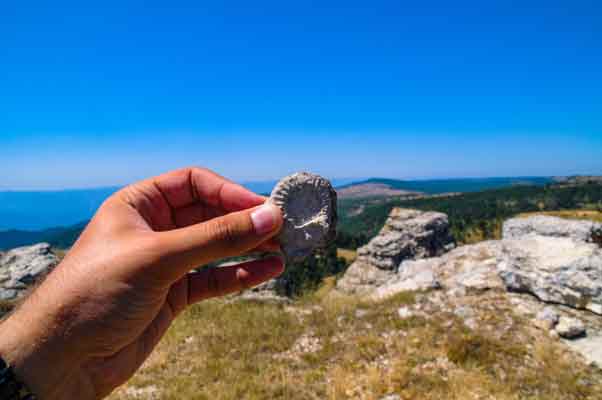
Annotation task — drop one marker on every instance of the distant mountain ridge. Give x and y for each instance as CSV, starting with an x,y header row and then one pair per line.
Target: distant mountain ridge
x,y
59,237
452,185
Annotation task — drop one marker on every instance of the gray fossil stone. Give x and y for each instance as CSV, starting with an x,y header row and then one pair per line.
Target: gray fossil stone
x,y
309,207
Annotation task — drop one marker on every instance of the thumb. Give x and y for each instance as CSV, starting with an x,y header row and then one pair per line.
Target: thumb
x,y
227,236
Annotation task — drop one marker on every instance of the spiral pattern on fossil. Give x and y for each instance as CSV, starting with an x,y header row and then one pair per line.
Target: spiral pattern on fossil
x,y
309,208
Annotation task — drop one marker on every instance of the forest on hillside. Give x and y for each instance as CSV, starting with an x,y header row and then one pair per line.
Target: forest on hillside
x,y
473,216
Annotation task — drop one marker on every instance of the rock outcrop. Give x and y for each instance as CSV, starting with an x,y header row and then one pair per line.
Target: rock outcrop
x,y
466,269
552,261
554,269
570,328
545,269
20,268
578,231
407,234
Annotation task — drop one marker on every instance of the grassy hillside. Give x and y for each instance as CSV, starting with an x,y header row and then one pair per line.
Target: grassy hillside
x,y
586,215
326,347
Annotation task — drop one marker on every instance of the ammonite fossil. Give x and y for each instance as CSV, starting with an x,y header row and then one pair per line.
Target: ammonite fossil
x,y
309,207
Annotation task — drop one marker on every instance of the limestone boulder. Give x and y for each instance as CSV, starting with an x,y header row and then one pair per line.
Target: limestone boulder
x,y
554,269
576,230
22,267
464,270
406,235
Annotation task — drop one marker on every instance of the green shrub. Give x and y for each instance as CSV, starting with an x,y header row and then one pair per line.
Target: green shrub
x,y
307,275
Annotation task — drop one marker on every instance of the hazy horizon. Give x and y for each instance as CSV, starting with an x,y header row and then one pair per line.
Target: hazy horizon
x,y
337,181
34,210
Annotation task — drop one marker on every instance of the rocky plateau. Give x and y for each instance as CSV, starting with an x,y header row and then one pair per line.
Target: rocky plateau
x,y
545,270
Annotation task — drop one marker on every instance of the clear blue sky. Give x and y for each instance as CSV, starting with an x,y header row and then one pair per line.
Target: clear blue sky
x,y
106,94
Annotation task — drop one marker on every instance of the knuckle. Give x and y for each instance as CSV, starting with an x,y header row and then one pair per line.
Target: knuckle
x,y
197,170
227,232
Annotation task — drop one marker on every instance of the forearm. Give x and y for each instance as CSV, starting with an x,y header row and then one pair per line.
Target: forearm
x,y
99,314
38,356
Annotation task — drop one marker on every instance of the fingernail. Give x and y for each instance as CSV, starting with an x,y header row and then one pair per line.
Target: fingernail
x,y
264,218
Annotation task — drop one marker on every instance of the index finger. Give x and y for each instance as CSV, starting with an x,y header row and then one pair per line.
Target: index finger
x,y
188,186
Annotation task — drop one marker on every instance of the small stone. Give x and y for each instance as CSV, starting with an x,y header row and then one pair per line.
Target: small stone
x,y
391,397
570,328
405,312
309,209
546,319
464,312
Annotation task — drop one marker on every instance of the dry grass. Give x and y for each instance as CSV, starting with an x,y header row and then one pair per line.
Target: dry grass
x,y
336,347
347,254
590,215
477,234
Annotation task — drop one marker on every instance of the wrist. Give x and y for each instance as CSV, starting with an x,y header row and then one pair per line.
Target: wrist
x,y
38,361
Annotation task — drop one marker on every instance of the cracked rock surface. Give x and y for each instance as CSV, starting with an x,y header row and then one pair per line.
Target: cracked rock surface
x,y
22,267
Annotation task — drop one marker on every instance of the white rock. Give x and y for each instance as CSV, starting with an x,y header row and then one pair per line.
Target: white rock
x,y
405,312
558,270
517,228
589,347
569,328
406,235
412,276
20,268
547,318
391,397
466,269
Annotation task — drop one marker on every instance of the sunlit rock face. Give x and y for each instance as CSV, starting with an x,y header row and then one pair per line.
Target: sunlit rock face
x,y
578,231
20,268
552,259
407,234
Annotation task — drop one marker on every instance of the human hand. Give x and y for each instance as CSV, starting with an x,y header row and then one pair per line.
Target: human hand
x,y
99,314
